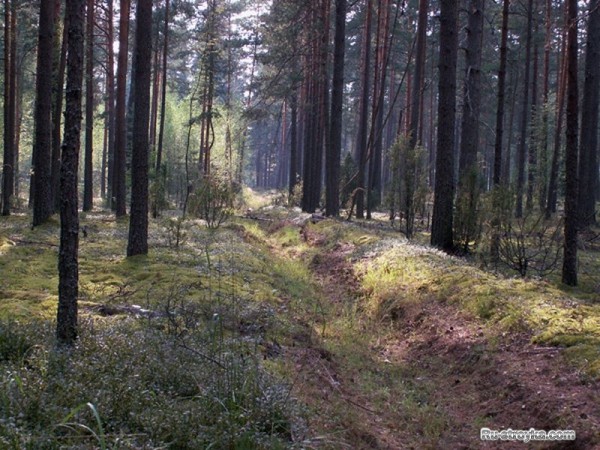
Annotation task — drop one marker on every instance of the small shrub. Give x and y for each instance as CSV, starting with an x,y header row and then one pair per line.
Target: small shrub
x,y
527,244
212,201
176,232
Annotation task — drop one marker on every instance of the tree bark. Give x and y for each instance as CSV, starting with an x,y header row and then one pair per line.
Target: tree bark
x,y
442,220
415,115
332,174
361,143
138,224
588,164
468,173
163,102
120,158
532,160
42,149
293,178
68,268
522,151
500,108
560,102
110,102
9,101
543,172
57,107
88,173
569,269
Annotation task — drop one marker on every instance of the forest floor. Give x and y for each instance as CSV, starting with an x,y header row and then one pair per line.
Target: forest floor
x,y
382,343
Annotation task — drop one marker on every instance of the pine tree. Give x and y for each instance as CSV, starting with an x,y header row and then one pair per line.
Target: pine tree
x,y
68,266
138,224
442,220
569,270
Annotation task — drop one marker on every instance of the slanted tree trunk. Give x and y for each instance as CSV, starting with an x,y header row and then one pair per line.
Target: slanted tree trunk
x,y
42,148
88,173
569,269
120,153
588,164
332,173
68,268
442,220
138,224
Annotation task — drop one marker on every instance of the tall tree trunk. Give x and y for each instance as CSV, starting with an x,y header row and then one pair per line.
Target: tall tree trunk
x,y
569,270
9,138
316,132
68,267
293,178
468,173
588,164
378,102
57,107
361,143
138,224
500,108
418,79
19,74
163,102
415,115
103,162
120,158
522,152
110,102
156,73
532,162
88,173
332,173
442,221
42,149
560,103
543,172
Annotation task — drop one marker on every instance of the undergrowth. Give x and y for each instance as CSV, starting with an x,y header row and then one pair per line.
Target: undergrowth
x,y
142,388
172,348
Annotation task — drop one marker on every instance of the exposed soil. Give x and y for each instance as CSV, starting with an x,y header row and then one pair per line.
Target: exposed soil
x,y
475,381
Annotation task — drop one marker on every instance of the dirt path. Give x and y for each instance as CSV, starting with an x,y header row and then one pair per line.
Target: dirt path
x,y
466,380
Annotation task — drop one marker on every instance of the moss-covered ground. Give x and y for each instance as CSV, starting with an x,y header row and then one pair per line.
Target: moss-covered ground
x,y
276,332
